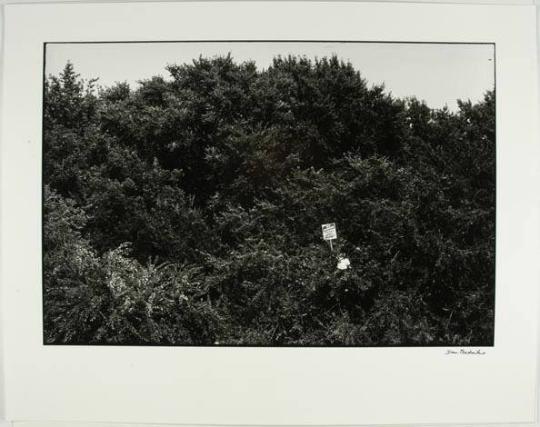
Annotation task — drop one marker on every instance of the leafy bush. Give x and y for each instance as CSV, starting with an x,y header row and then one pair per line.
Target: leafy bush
x,y
188,210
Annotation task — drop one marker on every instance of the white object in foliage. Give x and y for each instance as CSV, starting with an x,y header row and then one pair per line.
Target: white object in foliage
x,y
329,231
343,264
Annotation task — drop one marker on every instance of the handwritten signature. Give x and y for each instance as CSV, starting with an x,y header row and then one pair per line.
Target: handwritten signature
x,y
465,352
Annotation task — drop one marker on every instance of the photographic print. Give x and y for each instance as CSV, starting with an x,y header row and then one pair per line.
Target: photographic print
x,y
269,194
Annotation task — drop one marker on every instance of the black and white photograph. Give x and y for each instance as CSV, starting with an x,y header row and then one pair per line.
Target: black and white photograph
x,y
269,194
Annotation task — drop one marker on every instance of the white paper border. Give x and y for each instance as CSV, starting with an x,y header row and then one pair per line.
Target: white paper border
x,y
271,385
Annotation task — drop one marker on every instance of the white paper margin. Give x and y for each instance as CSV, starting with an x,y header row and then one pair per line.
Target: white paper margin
x,y
333,386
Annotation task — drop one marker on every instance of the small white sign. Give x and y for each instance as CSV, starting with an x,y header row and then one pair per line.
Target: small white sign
x,y
329,231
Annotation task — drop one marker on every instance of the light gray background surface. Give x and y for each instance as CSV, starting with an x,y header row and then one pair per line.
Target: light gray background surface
x,y
4,423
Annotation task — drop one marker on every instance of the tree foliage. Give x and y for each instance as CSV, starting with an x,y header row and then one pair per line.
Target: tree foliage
x,y
188,210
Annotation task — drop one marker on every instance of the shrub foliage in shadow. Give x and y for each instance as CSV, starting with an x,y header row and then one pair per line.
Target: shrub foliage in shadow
x,y
187,211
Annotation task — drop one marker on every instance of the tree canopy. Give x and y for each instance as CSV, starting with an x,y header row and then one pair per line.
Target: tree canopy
x,y
188,210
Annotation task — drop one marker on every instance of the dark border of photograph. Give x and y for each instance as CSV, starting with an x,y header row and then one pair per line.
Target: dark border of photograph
x,y
44,78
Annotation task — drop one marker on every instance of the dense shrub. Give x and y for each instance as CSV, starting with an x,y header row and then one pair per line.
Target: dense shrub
x,y
188,210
